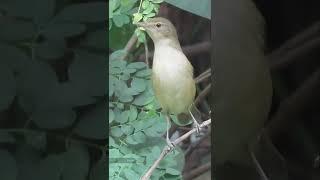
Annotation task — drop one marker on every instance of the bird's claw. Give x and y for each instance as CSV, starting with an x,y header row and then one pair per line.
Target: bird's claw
x,y
170,144
197,126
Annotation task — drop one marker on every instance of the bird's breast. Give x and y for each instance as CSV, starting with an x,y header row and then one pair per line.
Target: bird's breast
x,y
172,77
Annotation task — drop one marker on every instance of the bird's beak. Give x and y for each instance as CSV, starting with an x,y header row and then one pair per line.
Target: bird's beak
x,y
141,24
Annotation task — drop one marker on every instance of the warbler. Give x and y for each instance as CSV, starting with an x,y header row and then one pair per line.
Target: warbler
x,y
172,73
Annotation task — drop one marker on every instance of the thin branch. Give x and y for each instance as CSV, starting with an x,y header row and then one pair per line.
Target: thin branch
x,y
293,104
202,94
295,54
168,149
197,171
147,53
130,44
295,47
294,42
206,74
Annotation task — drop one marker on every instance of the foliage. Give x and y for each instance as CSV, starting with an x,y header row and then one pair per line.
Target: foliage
x,y
53,74
135,124
201,8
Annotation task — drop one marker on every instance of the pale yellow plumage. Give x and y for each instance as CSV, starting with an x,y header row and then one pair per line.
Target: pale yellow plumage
x,y
172,73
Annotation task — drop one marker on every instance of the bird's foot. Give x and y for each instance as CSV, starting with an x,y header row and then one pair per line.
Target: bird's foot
x,y
197,126
170,144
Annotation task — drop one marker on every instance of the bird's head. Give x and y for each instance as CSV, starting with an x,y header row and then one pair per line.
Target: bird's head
x,y
159,28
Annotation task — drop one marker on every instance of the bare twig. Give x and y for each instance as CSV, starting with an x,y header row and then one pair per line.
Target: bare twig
x,y
206,74
197,171
168,149
296,47
147,53
294,104
129,45
257,164
294,42
295,54
202,94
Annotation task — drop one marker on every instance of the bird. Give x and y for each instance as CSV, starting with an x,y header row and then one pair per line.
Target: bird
x,y
172,73
242,83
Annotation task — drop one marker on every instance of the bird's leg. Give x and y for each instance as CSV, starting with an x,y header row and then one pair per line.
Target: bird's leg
x,y
170,144
195,122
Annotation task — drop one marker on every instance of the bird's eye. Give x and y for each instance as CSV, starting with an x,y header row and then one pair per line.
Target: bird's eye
x,y
158,25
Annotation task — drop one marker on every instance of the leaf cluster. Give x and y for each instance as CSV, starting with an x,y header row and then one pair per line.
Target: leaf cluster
x,y
135,122
53,90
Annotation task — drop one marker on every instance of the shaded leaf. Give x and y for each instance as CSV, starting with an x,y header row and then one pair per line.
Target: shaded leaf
x,y
51,49
39,10
93,124
5,137
76,163
89,72
15,30
53,117
201,8
83,12
8,88
8,166
58,30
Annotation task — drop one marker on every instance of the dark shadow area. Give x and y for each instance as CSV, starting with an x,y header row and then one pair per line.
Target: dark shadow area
x,y
53,75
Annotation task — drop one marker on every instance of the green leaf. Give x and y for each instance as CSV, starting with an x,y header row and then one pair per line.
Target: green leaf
x,y
118,37
157,1
37,140
50,168
27,160
83,12
120,20
5,137
16,30
149,9
127,129
139,137
143,99
8,89
200,8
123,117
111,116
136,65
97,39
127,5
76,163
116,131
138,84
133,113
145,4
172,171
34,83
53,117
130,174
88,72
117,56
93,124
15,58
131,140
51,49
58,30
137,17
144,73
39,10
8,166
